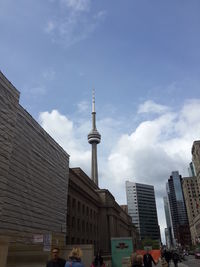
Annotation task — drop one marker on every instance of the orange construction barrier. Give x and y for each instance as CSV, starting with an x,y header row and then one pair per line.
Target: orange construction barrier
x,y
155,253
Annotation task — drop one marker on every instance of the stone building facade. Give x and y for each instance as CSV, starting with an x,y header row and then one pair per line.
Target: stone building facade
x,y
32,168
196,159
192,201
196,163
93,214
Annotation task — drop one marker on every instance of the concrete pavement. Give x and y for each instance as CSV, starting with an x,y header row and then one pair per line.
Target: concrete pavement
x,y
180,264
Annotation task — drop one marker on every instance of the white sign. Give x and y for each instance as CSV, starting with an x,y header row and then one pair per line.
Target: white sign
x,y
47,242
37,238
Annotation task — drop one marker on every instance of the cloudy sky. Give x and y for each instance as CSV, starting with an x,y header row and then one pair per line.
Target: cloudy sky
x,y
142,57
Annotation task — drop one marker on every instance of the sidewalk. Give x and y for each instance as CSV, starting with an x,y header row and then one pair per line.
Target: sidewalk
x,y
180,264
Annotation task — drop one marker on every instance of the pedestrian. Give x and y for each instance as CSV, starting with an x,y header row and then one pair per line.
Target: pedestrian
x,y
98,261
55,260
75,258
148,259
175,258
136,260
168,256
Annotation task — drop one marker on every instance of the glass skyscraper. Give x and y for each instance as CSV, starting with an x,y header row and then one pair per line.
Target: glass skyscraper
x,y
142,208
178,211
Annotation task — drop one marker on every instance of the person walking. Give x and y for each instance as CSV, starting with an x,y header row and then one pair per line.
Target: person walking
x,y
75,258
98,261
175,258
56,261
136,260
148,259
168,256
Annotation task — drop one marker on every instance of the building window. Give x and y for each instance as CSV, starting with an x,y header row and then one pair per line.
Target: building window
x,y
74,203
83,209
78,224
73,222
83,226
91,214
79,206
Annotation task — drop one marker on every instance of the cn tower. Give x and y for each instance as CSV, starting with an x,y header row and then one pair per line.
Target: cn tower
x,y
94,138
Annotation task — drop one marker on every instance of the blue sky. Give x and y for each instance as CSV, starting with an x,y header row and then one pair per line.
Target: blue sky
x,y
142,58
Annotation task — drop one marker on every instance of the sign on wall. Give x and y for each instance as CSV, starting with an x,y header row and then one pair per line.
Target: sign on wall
x,y
37,238
122,249
47,242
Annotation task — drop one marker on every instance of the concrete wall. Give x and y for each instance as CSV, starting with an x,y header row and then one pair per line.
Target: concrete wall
x,y
34,174
34,171
9,97
38,258
4,241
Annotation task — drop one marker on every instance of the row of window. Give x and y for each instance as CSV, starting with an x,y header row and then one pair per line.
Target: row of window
x,y
77,241
82,226
81,208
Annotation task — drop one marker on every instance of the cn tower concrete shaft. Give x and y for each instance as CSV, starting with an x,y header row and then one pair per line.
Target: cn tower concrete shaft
x,y
94,138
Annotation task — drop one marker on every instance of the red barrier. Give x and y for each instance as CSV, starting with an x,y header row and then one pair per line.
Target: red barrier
x,y
155,253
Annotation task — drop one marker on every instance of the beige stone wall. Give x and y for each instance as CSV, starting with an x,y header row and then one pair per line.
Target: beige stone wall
x,y
196,159
9,98
34,171
191,195
83,209
4,242
97,208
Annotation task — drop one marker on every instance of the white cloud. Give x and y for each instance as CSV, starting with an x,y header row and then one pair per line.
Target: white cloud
x,y
49,28
151,107
37,90
77,5
83,106
73,22
67,135
148,154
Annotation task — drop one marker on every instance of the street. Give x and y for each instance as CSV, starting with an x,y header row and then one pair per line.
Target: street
x,y
189,262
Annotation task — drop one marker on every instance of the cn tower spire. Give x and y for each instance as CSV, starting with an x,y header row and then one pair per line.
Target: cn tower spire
x,y
94,138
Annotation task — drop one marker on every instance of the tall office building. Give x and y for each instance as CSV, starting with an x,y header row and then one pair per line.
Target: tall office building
x,y
191,170
142,209
192,201
178,209
169,230
196,164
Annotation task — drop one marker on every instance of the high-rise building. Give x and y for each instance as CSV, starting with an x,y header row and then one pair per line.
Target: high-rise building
x,y
191,170
196,163
196,159
142,209
178,209
94,138
191,195
169,230
167,238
